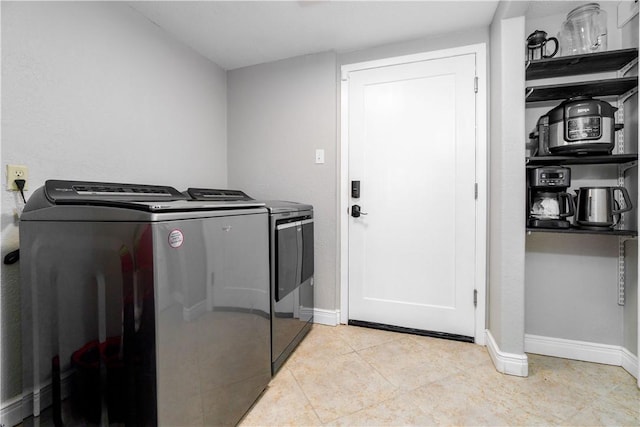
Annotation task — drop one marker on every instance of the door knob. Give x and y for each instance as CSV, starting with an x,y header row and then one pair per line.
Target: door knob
x,y
356,211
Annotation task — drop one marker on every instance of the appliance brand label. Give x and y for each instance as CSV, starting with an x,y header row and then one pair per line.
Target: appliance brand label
x,y
176,238
583,128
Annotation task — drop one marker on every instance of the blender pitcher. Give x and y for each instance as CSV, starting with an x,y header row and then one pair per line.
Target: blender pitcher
x,y
584,31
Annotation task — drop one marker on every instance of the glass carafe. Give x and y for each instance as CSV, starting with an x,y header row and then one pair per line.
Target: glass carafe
x,y
584,31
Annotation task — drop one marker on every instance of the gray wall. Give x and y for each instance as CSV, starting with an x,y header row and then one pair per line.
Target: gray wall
x,y
507,200
630,313
278,115
630,322
441,41
94,91
572,288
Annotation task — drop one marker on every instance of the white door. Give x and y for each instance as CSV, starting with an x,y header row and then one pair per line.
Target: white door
x,y
412,147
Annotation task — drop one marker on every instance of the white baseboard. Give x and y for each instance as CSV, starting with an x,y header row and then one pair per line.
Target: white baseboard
x,y
16,409
11,412
582,350
630,363
326,317
506,363
190,314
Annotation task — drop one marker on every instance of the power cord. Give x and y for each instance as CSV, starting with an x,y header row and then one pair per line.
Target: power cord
x,y
20,184
12,257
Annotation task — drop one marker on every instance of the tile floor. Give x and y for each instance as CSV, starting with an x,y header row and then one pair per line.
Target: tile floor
x,y
354,376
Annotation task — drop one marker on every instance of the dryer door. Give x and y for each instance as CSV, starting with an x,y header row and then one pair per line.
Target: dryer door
x,y
288,243
307,250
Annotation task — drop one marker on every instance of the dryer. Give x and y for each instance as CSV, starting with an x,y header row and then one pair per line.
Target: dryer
x,y
143,307
291,242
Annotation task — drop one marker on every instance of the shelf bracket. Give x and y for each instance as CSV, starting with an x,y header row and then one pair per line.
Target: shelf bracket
x,y
624,70
621,270
529,92
628,94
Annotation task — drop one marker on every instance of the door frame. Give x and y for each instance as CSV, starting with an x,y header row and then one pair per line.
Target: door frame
x,y
480,51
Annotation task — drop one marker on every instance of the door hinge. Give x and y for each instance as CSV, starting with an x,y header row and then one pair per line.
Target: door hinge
x,y
475,84
475,297
475,190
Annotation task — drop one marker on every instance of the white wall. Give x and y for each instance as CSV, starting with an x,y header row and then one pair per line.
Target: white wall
x,y
507,199
94,91
279,114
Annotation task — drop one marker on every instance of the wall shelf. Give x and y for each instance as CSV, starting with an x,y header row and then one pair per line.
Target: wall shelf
x,y
611,159
594,88
589,63
609,232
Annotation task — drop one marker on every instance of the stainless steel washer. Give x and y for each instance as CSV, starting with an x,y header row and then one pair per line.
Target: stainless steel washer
x,y
139,304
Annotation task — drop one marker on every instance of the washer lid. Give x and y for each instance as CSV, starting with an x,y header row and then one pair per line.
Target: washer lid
x,y
65,192
149,198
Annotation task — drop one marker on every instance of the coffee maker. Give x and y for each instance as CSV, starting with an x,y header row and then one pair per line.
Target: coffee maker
x,y
548,203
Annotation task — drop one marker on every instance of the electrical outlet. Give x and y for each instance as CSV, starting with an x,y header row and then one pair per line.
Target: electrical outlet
x,y
16,172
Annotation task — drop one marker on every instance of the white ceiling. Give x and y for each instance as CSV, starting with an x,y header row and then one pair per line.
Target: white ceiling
x,y
236,34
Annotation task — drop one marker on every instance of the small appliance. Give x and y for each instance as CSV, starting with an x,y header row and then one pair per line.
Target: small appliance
x,y
598,208
548,203
579,125
542,133
537,45
584,31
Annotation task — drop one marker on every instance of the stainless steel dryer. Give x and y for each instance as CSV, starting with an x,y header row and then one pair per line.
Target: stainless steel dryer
x,y
292,269
141,307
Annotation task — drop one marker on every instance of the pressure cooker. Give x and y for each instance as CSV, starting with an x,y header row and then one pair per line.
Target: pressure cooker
x,y
580,125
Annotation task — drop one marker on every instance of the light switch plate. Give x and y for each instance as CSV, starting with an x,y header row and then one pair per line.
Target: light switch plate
x,y
319,156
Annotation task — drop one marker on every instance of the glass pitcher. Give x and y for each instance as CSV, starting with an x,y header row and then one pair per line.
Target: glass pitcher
x,y
584,31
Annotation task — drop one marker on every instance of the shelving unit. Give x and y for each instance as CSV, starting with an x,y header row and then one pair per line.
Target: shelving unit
x,y
607,232
574,66
612,159
607,87
581,285
578,65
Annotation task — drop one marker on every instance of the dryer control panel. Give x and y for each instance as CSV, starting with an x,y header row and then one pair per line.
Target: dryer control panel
x,y
212,194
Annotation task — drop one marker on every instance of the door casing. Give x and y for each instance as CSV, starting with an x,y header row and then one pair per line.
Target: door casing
x,y
481,173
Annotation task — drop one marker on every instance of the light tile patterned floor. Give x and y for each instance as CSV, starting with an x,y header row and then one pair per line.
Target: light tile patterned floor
x,y
353,376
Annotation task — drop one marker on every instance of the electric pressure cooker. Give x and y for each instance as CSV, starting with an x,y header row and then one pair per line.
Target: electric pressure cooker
x,y
580,125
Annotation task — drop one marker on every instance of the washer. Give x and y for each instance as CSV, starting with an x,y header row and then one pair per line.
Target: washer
x,y
139,303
